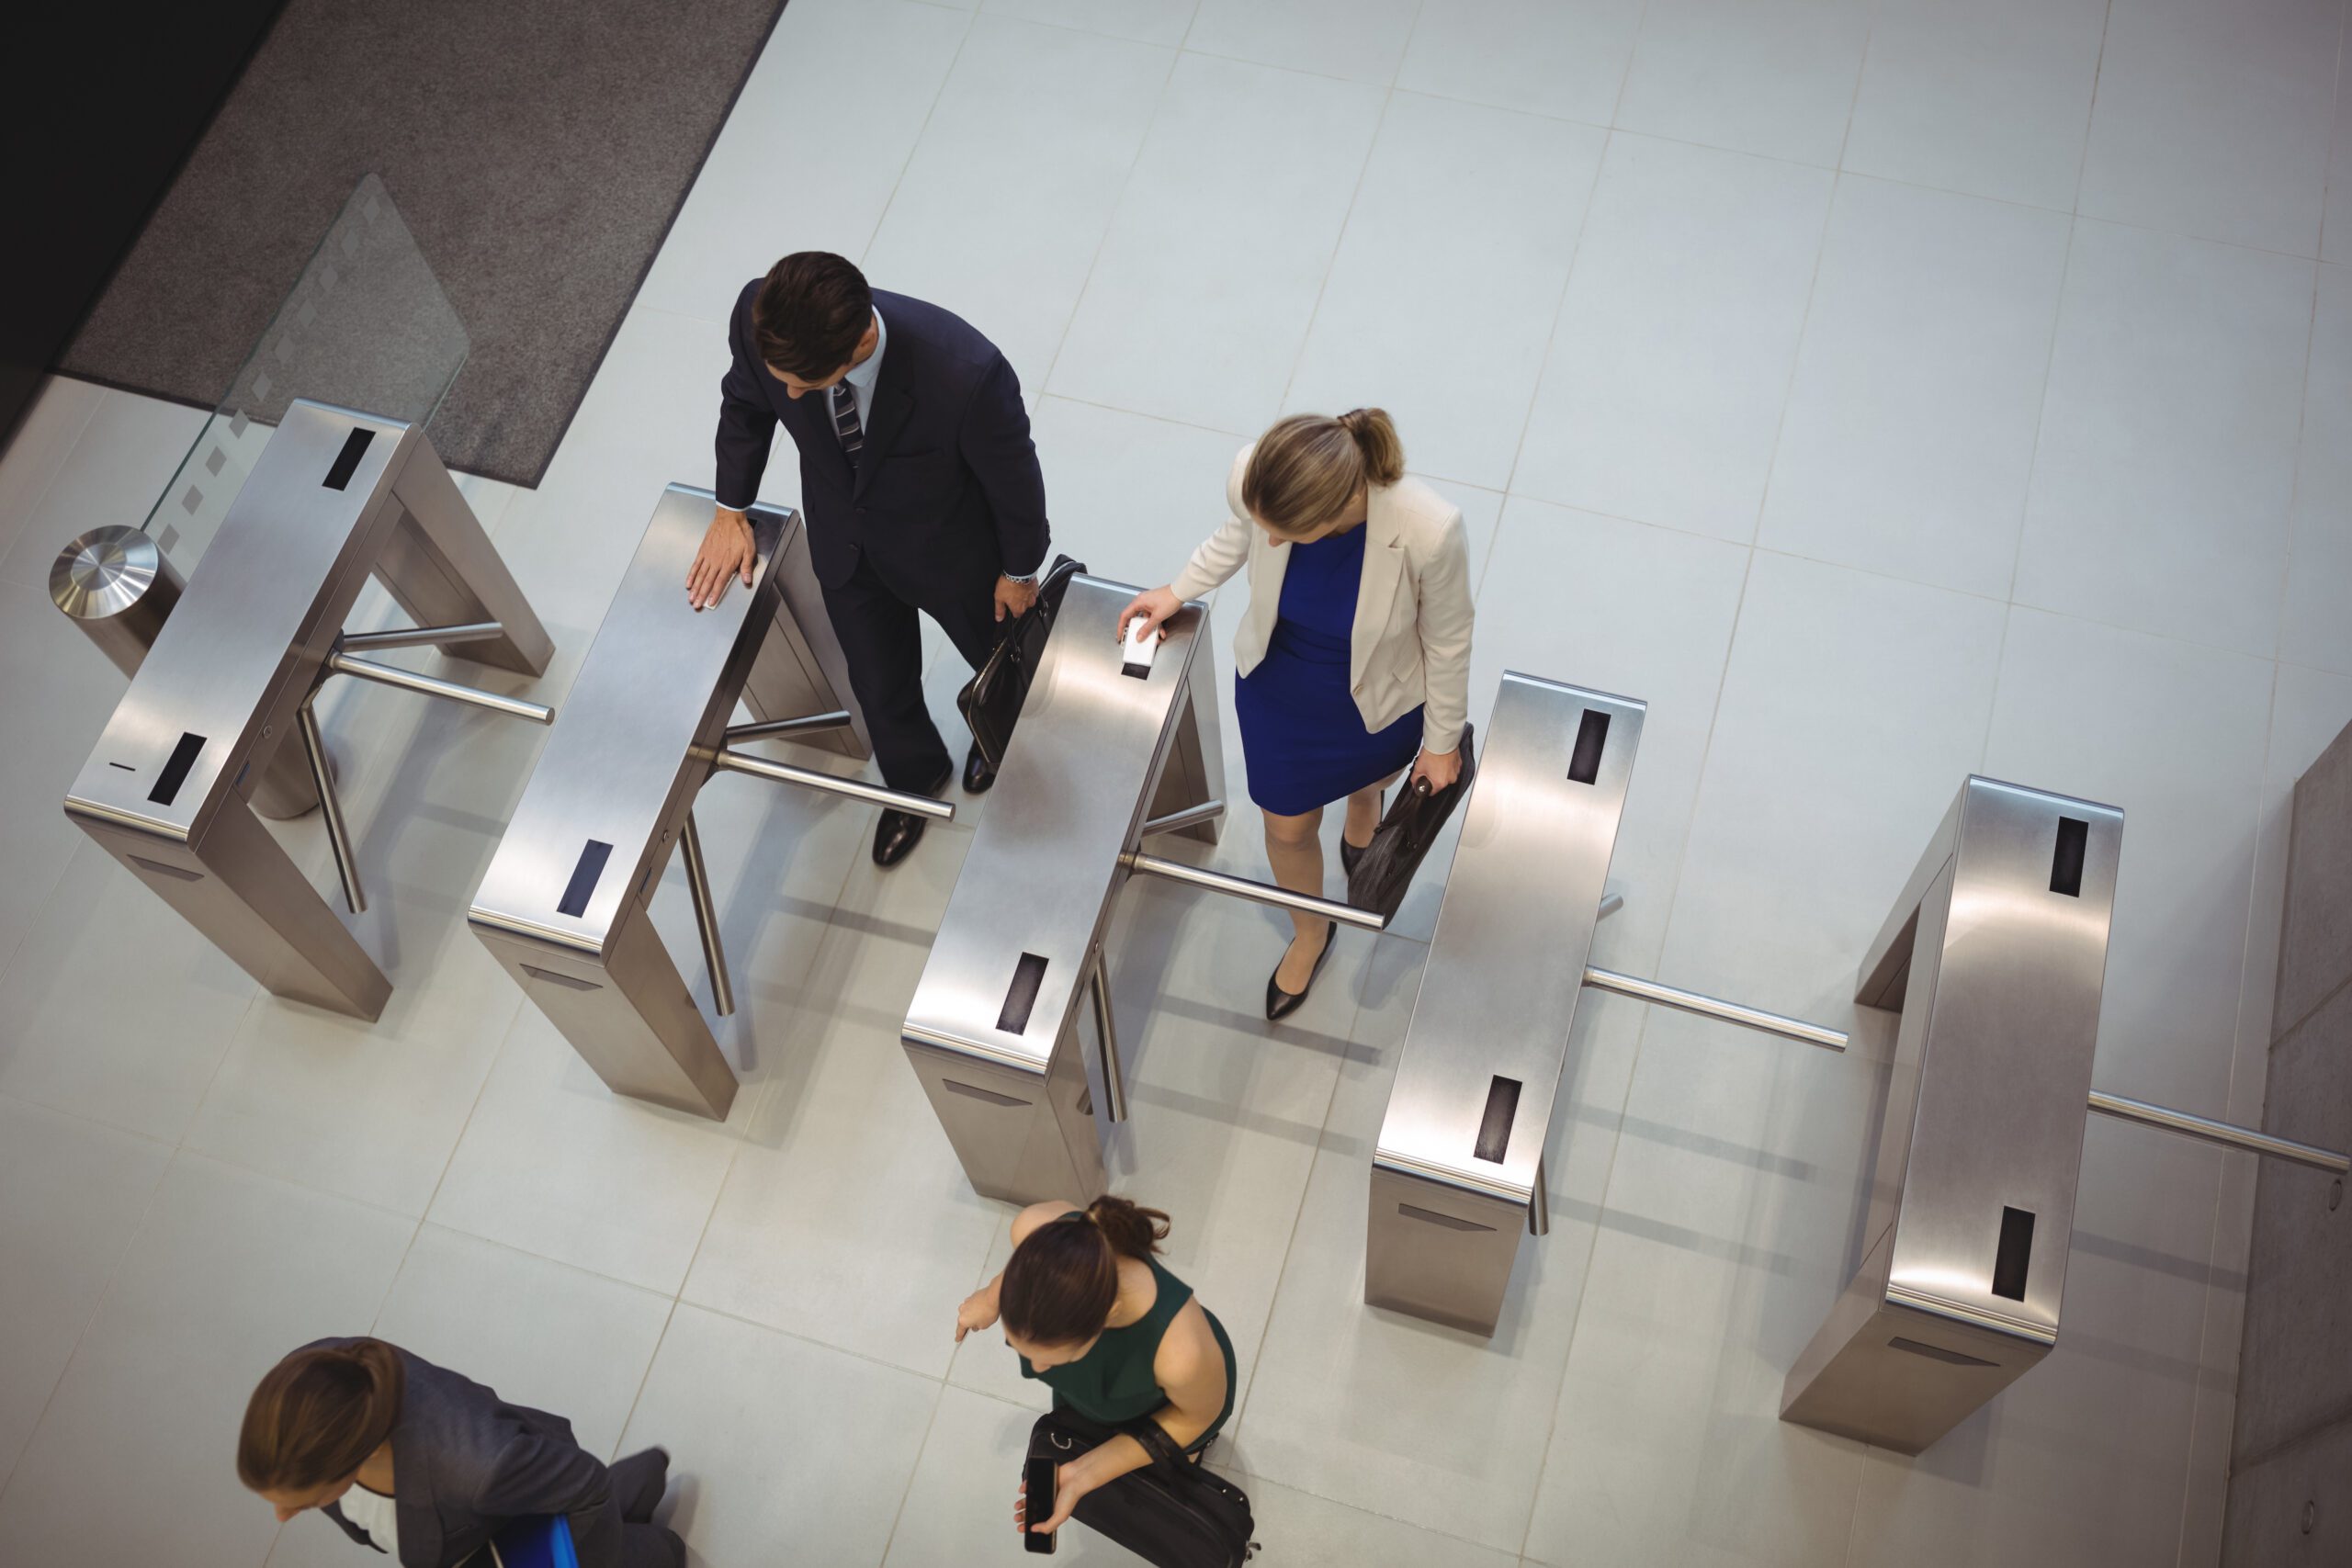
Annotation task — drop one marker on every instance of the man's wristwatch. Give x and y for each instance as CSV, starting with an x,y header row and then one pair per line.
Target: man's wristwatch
x,y
1028,582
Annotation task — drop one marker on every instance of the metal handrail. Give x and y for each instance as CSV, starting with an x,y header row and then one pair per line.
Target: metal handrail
x,y
1715,1008
2228,1134
857,789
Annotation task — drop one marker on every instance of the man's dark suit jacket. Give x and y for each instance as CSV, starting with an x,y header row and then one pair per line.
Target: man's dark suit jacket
x,y
465,1462
946,493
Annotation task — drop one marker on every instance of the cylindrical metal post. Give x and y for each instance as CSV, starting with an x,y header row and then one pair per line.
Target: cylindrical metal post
x,y
1256,892
115,585
807,724
433,686
346,865
714,957
2228,1134
1106,1035
420,636
1715,1008
1539,1205
857,789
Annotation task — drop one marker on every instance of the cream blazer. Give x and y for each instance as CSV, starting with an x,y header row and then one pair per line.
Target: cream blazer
x,y
1410,646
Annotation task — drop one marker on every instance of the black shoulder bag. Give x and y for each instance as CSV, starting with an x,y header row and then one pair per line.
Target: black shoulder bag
x,y
1406,833
1172,1513
990,701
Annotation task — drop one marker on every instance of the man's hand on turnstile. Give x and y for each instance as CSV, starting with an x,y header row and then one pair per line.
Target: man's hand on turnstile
x,y
1155,605
727,551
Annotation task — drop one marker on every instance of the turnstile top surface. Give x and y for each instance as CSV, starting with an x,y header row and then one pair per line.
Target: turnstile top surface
x,y
619,768
239,653
1068,801
1506,964
2003,1064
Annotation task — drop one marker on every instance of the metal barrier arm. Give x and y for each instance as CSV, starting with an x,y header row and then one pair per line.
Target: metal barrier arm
x,y
732,761
342,663
2228,1134
1715,1008
1256,892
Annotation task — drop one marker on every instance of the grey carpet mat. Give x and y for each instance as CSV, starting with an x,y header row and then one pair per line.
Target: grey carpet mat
x,y
538,149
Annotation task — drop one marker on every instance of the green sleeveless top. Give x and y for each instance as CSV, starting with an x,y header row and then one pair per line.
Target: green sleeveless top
x,y
1113,1382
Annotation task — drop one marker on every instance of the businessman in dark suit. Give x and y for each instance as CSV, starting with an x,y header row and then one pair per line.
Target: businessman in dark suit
x,y
917,481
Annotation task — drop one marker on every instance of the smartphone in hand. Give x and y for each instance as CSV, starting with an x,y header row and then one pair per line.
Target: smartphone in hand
x,y
1039,1480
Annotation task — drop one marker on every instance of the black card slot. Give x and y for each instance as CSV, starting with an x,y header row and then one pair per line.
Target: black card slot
x,y
1938,1353
1027,975
2014,1253
1592,736
1494,1127
586,872
2066,863
347,462
174,773
1414,1212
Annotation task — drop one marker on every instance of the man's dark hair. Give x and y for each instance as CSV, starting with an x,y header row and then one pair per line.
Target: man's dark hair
x,y
809,314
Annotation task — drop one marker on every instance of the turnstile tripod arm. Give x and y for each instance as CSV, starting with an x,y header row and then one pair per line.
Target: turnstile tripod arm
x,y
341,663
714,955
1256,892
1715,1008
420,636
806,724
346,863
733,761
2228,1134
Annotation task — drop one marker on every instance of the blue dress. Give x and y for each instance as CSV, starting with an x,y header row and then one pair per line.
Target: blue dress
x,y
1303,739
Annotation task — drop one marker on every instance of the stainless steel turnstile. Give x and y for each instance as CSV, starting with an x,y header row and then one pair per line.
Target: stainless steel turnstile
x,y
1995,956
564,904
1116,744
218,722
1459,1166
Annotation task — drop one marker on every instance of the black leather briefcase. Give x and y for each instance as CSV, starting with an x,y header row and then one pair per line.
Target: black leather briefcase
x,y
1172,1514
990,701
1406,833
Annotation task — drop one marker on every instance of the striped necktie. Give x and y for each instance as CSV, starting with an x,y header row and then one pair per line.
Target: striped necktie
x,y
845,424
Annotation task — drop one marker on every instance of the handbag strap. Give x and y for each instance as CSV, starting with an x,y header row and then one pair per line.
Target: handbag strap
x,y
1159,1445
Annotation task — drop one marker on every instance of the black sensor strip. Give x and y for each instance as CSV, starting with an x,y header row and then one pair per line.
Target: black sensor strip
x,y
2066,863
2014,1252
347,462
1027,975
1592,734
585,874
174,773
1494,1127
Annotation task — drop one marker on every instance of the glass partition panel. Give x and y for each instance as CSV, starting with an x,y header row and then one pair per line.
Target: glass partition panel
x,y
366,327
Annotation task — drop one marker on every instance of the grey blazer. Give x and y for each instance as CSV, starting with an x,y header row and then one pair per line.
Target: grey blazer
x,y
466,1461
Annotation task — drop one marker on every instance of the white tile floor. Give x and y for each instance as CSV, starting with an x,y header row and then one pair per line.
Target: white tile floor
x,y
1882,390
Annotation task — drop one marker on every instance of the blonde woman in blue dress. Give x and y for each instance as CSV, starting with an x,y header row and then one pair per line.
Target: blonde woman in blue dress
x,y
1352,659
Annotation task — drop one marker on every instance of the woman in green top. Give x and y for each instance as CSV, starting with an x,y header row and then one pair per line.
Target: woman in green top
x,y
1117,1338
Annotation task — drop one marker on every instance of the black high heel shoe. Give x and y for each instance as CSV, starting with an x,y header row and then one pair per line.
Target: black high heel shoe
x,y
1350,855
1280,1003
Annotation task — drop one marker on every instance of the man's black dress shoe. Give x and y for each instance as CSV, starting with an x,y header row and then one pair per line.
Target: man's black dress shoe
x,y
1280,1003
898,832
977,774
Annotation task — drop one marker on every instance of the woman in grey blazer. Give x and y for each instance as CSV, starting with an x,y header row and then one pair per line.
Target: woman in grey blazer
x,y
427,1466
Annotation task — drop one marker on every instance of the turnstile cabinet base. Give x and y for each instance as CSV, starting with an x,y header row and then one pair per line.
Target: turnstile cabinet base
x,y
1438,1252
1023,1137
1898,1377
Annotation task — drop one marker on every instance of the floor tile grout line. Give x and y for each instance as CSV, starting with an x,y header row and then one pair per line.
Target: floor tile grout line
x,y
1102,240
914,144
1797,355
97,1301
1339,238
914,1472
1559,310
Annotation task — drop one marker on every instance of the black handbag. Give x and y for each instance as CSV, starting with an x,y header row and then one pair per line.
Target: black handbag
x,y
1407,830
1172,1513
990,701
